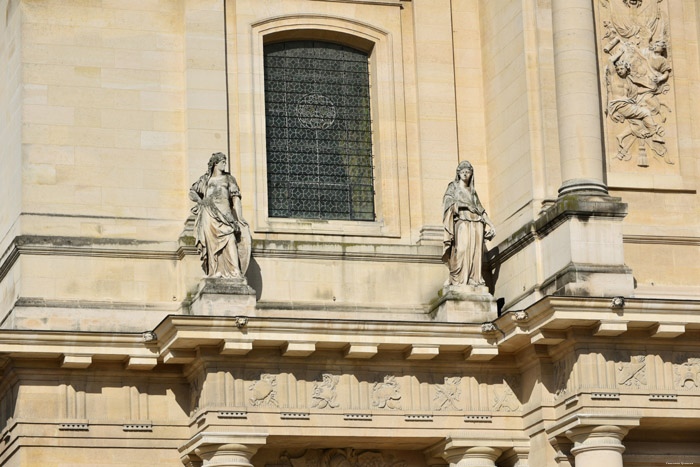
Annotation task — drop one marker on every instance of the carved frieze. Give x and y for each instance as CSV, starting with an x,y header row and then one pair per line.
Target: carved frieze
x,y
347,457
324,394
448,395
263,392
633,373
686,375
387,394
504,398
637,72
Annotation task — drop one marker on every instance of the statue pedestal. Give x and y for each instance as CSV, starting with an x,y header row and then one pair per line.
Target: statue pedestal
x,y
223,297
464,304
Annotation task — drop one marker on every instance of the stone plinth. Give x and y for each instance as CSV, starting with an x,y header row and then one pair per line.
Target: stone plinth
x,y
223,297
464,304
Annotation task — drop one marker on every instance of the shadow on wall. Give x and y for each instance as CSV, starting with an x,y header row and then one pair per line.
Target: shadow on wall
x,y
254,277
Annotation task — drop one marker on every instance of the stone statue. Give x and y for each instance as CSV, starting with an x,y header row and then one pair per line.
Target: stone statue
x,y
221,234
466,226
637,75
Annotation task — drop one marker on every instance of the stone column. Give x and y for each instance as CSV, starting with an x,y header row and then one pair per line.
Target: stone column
x,y
222,449
578,98
476,456
596,446
226,455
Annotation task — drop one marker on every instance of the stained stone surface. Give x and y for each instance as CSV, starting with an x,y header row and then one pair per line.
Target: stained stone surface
x,y
465,304
223,297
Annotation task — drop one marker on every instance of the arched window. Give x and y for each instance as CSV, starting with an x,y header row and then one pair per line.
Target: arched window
x,y
319,139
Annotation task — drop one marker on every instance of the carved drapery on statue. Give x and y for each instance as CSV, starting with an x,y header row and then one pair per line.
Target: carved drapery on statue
x,y
637,76
221,234
464,221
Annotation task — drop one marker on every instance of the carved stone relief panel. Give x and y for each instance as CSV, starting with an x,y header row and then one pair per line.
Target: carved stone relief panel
x,y
347,457
324,394
637,72
633,373
387,394
448,396
504,397
686,374
263,392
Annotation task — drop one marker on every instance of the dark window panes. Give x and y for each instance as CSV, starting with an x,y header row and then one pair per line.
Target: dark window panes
x,y
319,142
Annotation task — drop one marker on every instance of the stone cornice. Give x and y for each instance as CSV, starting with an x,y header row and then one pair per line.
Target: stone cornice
x,y
546,321
179,336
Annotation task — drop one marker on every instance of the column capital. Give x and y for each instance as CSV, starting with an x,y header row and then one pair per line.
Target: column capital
x,y
222,449
597,438
474,456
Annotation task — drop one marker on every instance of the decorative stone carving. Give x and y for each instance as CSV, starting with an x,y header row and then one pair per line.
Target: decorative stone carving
x,y
264,391
221,234
637,76
347,457
504,399
324,393
387,395
632,373
520,316
687,375
466,226
448,395
488,328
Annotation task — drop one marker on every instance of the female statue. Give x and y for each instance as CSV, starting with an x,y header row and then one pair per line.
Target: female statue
x,y
221,234
465,220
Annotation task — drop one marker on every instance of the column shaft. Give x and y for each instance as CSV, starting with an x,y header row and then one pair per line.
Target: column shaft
x,y
578,97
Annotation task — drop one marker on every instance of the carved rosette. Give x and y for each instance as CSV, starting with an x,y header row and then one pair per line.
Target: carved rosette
x,y
637,72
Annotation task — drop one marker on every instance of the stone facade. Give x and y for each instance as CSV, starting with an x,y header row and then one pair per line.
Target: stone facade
x,y
580,119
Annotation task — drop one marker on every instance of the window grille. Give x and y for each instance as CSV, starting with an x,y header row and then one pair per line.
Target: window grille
x,y
319,139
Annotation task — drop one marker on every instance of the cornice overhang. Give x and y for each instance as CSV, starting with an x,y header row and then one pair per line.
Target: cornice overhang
x,y
178,339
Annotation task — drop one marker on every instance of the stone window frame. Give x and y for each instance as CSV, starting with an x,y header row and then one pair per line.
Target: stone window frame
x,y
378,43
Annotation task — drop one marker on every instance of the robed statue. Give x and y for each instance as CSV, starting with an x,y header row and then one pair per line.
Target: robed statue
x,y
466,226
221,234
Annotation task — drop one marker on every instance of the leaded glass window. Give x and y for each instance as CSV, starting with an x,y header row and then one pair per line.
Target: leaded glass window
x,y
319,140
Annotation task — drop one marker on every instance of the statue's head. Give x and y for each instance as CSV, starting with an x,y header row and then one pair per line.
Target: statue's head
x,y
215,159
622,68
659,46
464,165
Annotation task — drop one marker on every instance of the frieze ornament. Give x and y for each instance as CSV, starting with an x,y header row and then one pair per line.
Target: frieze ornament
x,y
448,395
324,393
263,392
387,395
504,399
687,375
637,76
632,373
347,457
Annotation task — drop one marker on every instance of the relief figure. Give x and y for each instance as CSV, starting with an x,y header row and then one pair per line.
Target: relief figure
x,y
637,76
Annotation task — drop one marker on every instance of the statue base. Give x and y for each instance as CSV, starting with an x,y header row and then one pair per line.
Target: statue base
x,y
218,296
464,304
